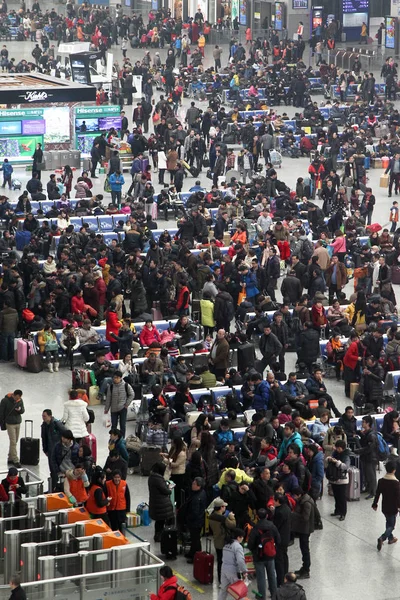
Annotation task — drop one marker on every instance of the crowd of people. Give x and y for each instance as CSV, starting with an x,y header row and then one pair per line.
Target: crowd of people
x,y
269,262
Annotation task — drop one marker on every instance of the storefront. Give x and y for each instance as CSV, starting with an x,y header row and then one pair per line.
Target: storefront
x,y
90,121
34,88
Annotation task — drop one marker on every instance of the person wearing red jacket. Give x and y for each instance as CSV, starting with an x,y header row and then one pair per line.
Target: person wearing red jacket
x,y
112,326
149,334
168,587
316,170
352,361
78,304
182,301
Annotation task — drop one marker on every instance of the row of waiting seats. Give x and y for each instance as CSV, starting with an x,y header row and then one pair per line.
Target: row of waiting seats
x,y
351,92
44,205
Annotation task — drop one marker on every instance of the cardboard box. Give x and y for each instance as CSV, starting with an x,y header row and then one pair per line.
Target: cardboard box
x,y
353,390
384,181
376,163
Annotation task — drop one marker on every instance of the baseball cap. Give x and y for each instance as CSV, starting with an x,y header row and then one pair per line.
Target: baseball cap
x,y
218,502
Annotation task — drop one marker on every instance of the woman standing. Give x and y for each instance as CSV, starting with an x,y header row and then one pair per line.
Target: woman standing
x,y
97,502
112,327
48,346
160,505
67,178
176,461
76,415
37,160
337,473
232,562
352,362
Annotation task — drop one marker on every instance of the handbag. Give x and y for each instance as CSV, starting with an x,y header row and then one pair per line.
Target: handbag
x,y
209,175
51,346
206,162
237,590
107,186
41,166
241,297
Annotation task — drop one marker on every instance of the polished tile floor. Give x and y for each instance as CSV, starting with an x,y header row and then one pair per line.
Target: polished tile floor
x,y
345,563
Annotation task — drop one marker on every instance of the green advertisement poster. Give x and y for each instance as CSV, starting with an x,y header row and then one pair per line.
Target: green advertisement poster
x,y
234,9
19,146
96,111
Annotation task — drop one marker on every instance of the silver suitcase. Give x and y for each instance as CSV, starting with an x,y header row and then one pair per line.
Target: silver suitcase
x,y
86,164
354,486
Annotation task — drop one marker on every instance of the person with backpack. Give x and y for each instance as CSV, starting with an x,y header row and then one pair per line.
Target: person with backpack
x,y
169,585
118,397
306,248
263,539
369,455
302,524
389,488
232,561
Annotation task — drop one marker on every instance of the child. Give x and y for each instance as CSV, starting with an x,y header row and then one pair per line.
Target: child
x,y
230,160
60,186
394,216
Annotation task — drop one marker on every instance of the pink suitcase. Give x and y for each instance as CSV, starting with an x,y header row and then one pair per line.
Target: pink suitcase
x,y
90,440
22,352
156,312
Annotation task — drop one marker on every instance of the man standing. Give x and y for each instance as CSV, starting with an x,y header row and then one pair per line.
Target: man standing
x,y
95,159
302,523
263,539
120,503
273,272
195,516
369,455
11,409
51,430
17,593
219,523
336,278
118,397
8,329
219,354
281,520
389,487
394,170
270,347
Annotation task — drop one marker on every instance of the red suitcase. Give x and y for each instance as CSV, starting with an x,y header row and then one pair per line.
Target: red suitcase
x,y
203,565
91,441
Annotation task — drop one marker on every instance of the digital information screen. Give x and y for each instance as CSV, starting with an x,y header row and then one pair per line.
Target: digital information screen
x,y
300,4
355,6
390,31
33,127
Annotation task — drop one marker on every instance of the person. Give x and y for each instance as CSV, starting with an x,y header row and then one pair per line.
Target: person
x,y
51,430
263,539
14,483
219,354
220,525
302,524
290,589
281,519
232,562
37,161
113,463
118,491
270,347
176,461
196,507
75,415
75,483
97,501
369,455
160,505
17,592
389,489
11,409
119,395
337,475
169,585
66,453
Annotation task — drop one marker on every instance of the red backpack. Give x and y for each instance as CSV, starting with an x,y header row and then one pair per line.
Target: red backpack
x,y
267,544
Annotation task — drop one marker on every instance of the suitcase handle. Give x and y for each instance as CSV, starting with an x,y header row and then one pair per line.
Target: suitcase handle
x,y
31,422
208,546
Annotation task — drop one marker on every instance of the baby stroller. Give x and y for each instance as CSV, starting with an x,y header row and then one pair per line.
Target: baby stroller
x,y
16,184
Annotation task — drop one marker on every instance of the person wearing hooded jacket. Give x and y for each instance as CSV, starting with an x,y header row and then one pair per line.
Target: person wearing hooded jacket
x,y
262,530
169,585
232,562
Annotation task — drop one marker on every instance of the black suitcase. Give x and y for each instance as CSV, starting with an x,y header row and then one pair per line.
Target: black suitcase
x,y
169,542
29,448
194,171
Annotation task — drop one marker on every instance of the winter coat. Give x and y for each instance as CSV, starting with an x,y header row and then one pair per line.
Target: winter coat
x,y
295,438
270,345
220,305
207,313
147,336
221,360
316,467
341,275
289,591
112,326
164,593
82,190
261,396
303,515
373,384
233,558
389,487
219,524
119,395
197,505
160,505
281,520
255,536
343,464
369,446
8,414
308,348
75,417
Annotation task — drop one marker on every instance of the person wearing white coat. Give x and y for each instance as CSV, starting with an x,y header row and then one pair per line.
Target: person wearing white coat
x,y
233,562
162,166
76,415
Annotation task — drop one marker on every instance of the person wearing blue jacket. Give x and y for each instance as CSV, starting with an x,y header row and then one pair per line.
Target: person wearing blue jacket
x,y
261,392
315,465
116,182
8,170
291,436
223,435
248,280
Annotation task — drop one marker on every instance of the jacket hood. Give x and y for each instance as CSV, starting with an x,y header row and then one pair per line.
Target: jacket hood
x,y
77,402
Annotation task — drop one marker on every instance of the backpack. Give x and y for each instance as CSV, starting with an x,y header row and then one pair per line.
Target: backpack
x,y
230,310
307,249
297,325
181,593
266,545
383,448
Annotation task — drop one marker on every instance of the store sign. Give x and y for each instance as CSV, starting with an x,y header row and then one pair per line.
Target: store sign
x,y
28,112
98,110
35,96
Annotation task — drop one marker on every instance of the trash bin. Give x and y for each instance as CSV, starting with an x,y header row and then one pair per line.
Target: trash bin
x,y
56,157
48,159
75,160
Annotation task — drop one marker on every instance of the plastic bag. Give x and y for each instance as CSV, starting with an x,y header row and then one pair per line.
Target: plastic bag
x,y
106,420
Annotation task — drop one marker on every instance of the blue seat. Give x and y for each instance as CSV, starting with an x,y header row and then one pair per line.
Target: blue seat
x,y
92,222
198,393
35,206
46,205
238,391
107,237
105,223
238,434
76,222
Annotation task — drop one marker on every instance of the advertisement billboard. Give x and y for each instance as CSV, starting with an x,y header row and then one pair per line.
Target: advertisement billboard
x,y
33,127
390,32
242,12
278,16
10,128
57,125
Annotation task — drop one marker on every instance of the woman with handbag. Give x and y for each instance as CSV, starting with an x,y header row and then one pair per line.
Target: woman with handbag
x,y
337,474
48,346
233,562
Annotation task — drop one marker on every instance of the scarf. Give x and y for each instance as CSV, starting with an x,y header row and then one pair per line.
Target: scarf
x,y
336,344
12,483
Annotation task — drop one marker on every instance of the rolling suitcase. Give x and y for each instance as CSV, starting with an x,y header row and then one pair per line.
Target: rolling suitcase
x,y
353,490
24,349
246,356
156,312
203,565
169,542
149,456
91,441
29,447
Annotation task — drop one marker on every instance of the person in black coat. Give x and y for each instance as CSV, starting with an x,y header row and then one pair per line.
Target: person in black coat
x,y
221,226
160,505
14,483
95,159
281,520
197,505
261,487
37,158
308,346
17,592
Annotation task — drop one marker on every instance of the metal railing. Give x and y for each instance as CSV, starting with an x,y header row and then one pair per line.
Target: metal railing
x,y
137,582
